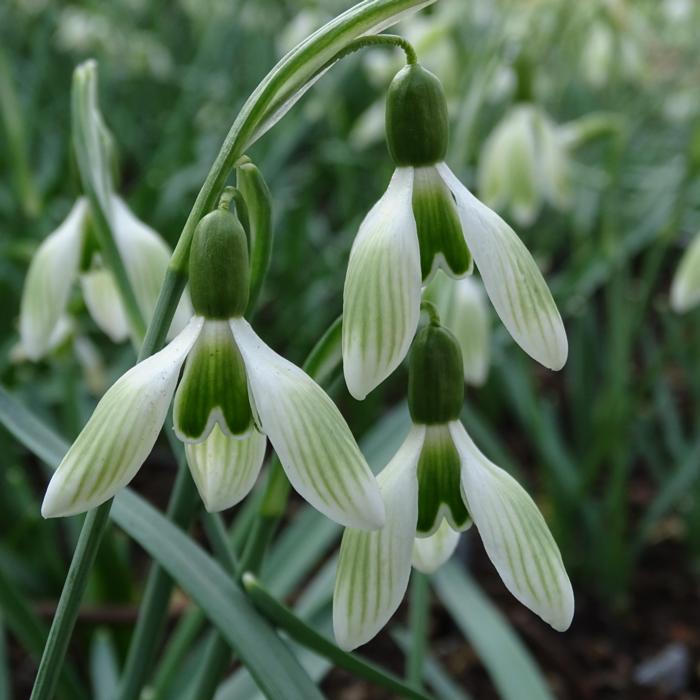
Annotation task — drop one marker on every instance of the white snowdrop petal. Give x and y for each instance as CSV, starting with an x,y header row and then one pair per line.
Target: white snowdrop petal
x,y
512,279
374,567
685,289
310,436
146,257
225,468
52,271
515,535
430,553
381,299
120,433
104,304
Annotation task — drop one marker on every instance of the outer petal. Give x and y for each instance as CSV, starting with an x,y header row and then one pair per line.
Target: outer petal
x,y
311,438
51,274
462,307
381,300
225,469
512,279
104,304
685,290
515,535
120,433
146,257
374,567
430,553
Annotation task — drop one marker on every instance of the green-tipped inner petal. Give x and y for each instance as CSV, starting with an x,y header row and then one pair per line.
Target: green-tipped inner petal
x,y
439,229
214,387
439,494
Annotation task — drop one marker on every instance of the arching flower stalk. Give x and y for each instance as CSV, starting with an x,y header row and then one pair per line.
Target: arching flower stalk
x,y
435,487
234,392
71,253
428,220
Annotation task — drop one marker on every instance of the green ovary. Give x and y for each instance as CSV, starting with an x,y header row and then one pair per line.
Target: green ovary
x,y
439,492
439,229
214,387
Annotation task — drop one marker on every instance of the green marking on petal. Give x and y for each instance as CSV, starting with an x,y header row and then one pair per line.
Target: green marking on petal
x,y
439,229
439,476
214,387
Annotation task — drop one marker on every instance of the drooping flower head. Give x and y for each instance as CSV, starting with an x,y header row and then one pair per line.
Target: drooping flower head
x,y
524,163
234,392
428,220
685,288
434,487
71,253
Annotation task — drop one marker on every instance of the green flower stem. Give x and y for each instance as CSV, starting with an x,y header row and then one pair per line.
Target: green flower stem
x,y
420,607
298,630
93,164
66,612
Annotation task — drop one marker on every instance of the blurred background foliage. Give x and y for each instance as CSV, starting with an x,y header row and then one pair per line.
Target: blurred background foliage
x,y
609,447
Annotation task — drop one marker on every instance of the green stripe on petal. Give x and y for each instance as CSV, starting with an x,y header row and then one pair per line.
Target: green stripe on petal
x,y
462,307
685,290
374,567
214,387
439,229
310,436
512,279
52,272
515,535
224,468
146,258
104,304
439,492
120,433
381,299
430,553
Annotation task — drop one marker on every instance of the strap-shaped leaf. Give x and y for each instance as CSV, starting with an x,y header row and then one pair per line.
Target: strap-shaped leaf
x,y
269,660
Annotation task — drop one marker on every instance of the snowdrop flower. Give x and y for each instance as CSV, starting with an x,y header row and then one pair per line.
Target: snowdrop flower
x,y
525,162
70,253
462,307
685,289
428,220
436,485
234,391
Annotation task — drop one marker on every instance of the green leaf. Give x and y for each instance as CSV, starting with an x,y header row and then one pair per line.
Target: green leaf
x,y
104,668
5,687
268,659
306,635
512,669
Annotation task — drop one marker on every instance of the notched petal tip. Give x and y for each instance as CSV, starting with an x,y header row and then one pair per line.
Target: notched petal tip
x,y
225,469
381,298
310,436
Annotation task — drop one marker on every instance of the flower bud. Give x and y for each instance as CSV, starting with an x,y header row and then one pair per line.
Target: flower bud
x,y
219,270
435,379
417,127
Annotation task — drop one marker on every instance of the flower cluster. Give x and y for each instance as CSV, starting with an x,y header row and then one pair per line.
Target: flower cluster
x,y
235,392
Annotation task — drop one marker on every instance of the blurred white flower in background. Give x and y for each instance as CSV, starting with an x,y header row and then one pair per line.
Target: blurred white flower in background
x,y
524,163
